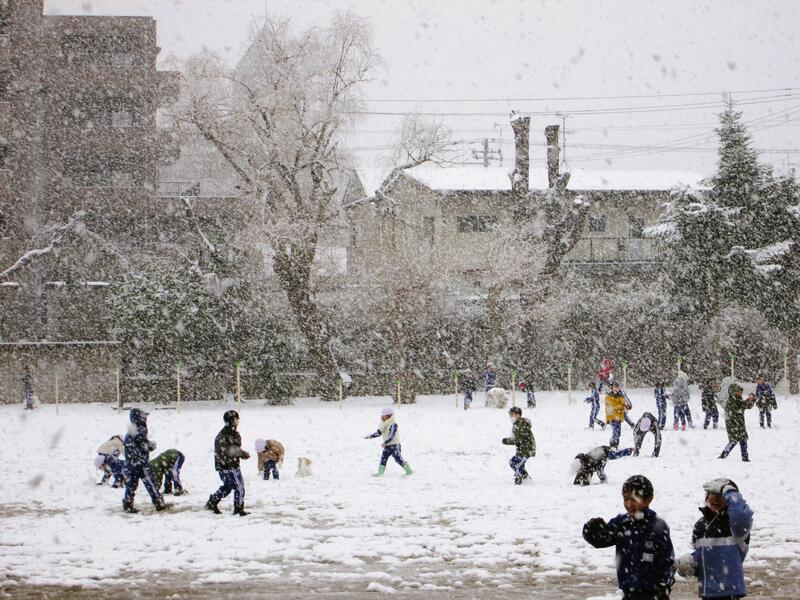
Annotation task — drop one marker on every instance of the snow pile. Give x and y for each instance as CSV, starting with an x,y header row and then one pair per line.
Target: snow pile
x,y
458,522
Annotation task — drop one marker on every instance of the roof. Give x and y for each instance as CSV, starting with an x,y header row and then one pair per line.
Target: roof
x,y
496,178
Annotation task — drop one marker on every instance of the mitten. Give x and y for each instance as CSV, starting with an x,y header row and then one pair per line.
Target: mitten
x,y
686,565
719,486
152,445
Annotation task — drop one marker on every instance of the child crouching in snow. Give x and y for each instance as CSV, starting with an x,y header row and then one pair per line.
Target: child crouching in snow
x,y
270,457
108,460
644,547
167,466
594,461
391,442
522,438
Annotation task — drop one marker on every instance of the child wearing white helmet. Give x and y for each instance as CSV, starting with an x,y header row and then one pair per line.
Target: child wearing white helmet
x,y
391,442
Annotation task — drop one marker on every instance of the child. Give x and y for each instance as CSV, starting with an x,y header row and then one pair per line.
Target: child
x,y
615,413
680,398
765,400
720,538
644,548
270,457
605,375
137,455
529,395
489,377
391,442
522,438
594,399
661,405
734,420
708,402
645,424
167,466
227,452
27,388
594,461
108,460
467,385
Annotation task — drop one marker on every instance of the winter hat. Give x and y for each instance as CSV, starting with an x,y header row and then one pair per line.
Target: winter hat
x,y
515,410
260,445
99,460
645,424
638,485
387,411
229,416
138,416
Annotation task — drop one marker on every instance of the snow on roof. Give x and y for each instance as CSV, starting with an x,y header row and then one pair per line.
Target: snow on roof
x,y
771,252
496,178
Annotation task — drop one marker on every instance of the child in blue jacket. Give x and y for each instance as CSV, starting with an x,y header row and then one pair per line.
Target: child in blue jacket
x,y
720,539
594,400
645,557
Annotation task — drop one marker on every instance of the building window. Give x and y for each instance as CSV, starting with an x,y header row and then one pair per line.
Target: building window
x,y
98,174
4,86
476,223
636,228
5,154
105,112
101,50
598,223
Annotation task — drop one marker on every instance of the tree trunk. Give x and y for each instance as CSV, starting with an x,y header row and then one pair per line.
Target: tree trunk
x,y
494,323
293,270
794,350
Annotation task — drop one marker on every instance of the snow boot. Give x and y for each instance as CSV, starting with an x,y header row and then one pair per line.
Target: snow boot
x,y
407,469
675,427
517,480
745,460
525,474
128,507
212,505
683,427
381,471
163,506
239,510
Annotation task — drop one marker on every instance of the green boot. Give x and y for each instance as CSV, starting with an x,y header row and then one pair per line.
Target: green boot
x,y
380,472
407,469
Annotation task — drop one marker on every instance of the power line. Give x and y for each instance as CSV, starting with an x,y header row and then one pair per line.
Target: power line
x,y
573,98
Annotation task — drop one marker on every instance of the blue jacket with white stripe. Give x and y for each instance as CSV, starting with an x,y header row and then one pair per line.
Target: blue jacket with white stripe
x,y
720,543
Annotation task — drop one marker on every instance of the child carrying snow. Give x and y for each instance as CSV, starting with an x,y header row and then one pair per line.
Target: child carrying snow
x,y
644,547
270,457
391,442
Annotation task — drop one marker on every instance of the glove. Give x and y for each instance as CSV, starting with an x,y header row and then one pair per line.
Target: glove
x,y
245,455
151,445
686,565
594,526
719,486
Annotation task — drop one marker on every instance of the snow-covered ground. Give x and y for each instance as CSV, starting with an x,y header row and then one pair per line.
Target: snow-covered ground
x,y
457,523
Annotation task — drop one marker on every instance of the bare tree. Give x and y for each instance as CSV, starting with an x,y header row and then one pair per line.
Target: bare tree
x,y
275,120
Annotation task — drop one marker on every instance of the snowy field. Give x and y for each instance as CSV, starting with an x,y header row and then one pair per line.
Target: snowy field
x,y
457,525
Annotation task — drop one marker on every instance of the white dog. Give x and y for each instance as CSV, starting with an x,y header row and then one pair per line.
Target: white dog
x,y
496,397
303,467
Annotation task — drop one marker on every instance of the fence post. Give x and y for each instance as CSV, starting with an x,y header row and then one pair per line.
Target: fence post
x,y
624,375
786,375
569,383
398,390
455,385
56,392
680,360
513,388
238,388
116,385
178,387
341,392
733,372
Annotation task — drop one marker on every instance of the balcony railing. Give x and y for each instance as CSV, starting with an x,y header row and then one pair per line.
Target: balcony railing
x,y
599,250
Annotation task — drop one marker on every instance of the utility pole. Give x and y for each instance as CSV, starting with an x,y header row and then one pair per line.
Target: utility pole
x,y
486,154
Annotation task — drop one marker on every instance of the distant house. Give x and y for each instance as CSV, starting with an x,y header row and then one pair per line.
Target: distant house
x,y
446,216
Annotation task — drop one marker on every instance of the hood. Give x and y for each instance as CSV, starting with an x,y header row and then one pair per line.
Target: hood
x,y
733,389
138,416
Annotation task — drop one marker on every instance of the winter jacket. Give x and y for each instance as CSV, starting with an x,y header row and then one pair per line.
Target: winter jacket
x,y
734,414
388,429
594,398
27,383
644,551
661,396
615,406
490,379
163,463
708,400
680,392
720,543
228,449
522,438
593,461
466,383
115,446
765,397
273,451
606,370
137,445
